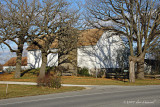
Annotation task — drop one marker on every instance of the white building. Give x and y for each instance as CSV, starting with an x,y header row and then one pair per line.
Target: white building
x,y
10,65
96,49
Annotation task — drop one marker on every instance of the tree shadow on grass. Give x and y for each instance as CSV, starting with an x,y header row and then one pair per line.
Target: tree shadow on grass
x,y
25,71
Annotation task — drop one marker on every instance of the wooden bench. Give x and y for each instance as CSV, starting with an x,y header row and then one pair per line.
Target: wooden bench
x,y
111,75
117,75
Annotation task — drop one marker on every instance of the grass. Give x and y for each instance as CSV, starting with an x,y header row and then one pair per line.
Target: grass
x,y
26,90
105,81
81,80
28,77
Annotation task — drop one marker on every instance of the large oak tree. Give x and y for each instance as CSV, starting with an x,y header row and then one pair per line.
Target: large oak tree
x,y
137,20
56,19
17,17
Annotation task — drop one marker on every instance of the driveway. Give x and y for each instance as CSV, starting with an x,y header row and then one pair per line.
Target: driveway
x,y
93,96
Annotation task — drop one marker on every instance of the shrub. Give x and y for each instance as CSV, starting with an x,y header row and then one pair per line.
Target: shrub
x,y
9,70
37,70
49,69
34,71
100,74
55,82
50,81
83,72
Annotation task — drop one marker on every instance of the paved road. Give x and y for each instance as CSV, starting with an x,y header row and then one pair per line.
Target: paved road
x,y
93,96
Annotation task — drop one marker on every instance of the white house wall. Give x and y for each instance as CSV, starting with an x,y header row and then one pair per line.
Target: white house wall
x,y
86,57
52,59
12,68
34,58
103,55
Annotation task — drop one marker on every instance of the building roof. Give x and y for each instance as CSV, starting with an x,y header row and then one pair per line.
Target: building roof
x,y
12,61
88,37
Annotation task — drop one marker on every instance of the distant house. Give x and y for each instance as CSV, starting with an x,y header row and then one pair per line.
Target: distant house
x,y
96,49
11,64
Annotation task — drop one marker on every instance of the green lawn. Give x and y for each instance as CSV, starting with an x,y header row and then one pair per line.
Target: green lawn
x,y
81,80
26,90
105,81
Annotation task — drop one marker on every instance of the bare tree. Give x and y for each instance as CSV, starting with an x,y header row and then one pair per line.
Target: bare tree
x,y
55,19
137,20
16,21
67,48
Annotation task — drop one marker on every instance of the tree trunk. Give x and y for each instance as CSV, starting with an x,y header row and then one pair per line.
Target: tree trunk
x,y
131,70
43,66
140,69
18,65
